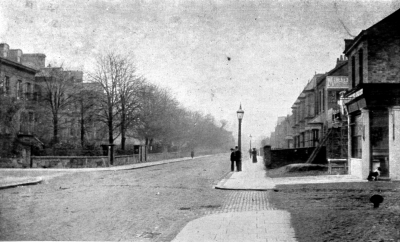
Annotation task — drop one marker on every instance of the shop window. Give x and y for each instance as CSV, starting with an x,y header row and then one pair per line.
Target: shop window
x,y
357,132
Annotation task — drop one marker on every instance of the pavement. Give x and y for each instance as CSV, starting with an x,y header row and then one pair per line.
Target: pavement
x,y
265,224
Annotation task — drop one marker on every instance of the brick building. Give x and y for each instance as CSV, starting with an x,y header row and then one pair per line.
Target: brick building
x,y
373,103
19,93
26,116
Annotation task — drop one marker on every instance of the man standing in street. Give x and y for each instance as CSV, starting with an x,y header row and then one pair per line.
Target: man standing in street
x,y
238,157
233,159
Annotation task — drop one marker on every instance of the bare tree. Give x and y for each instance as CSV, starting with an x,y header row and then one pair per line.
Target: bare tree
x,y
116,76
86,103
58,92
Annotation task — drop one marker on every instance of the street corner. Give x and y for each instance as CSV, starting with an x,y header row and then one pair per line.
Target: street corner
x,y
9,182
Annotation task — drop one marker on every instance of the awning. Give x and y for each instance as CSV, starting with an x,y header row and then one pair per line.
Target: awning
x,y
373,95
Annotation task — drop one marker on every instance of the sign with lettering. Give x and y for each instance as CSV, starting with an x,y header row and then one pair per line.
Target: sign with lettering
x,y
337,82
354,95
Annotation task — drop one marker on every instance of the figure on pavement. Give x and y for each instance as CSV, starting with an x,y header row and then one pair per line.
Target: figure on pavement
x,y
254,153
373,176
233,159
192,154
238,158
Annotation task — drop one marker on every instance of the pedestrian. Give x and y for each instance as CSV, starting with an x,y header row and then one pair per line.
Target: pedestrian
x,y
238,159
254,152
233,159
192,154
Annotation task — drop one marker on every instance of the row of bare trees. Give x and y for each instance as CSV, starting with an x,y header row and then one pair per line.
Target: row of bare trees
x,y
117,104
130,106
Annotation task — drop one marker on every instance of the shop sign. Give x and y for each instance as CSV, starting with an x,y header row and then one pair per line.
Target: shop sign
x,y
354,95
337,82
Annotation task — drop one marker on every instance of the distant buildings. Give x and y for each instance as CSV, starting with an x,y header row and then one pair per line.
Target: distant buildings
x,y
313,113
353,110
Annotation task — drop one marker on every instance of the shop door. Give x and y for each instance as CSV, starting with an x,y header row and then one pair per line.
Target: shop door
x,y
379,132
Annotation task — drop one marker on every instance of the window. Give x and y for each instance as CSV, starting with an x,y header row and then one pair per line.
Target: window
x,y
19,89
7,85
31,120
28,91
315,137
353,71
360,66
37,93
357,130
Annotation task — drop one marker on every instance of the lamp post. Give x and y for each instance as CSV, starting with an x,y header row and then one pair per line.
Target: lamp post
x,y
250,146
240,114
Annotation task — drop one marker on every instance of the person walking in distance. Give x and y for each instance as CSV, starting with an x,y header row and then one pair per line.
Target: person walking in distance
x,y
254,155
238,156
233,159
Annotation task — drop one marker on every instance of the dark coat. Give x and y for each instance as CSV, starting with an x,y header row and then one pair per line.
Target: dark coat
x,y
233,156
238,155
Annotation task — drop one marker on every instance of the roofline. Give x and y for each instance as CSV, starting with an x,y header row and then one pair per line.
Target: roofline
x,y
364,33
18,65
331,71
356,40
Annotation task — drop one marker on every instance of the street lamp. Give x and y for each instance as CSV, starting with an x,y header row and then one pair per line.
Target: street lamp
x,y
240,114
250,142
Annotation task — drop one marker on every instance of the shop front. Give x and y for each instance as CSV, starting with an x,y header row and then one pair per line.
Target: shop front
x,y
374,113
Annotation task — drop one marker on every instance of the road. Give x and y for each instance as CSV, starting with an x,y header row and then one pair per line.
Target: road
x,y
148,204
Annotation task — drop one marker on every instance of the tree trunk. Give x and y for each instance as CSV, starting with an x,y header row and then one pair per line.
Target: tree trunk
x,y
110,134
123,120
55,129
82,132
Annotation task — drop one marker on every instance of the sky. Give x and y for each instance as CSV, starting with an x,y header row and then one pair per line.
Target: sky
x,y
212,55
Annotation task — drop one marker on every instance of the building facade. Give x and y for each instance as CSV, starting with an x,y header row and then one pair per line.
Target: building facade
x,y
314,121
373,103
19,94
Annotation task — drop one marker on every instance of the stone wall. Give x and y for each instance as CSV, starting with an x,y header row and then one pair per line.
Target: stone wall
x,y
283,157
86,161
69,161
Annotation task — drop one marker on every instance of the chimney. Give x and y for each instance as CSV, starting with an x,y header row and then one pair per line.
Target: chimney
x,y
35,61
4,48
347,43
15,55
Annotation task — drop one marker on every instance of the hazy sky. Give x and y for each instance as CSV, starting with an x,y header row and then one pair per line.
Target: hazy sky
x,y
212,55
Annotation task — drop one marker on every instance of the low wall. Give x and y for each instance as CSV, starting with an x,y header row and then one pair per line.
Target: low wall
x,y
283,157
85,161
69,161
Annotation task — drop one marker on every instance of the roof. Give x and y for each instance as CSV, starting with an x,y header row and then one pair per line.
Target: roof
x,y
395,17
17,65
340,65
